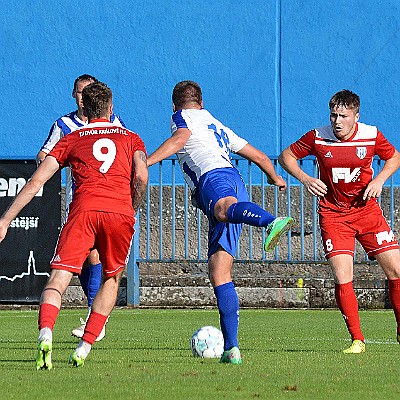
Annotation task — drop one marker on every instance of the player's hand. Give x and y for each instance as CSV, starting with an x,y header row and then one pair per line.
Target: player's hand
x,y
374,189
316,187
278,181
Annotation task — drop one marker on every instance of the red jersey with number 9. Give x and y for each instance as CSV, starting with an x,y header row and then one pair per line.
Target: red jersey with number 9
x,y
345,166
101,159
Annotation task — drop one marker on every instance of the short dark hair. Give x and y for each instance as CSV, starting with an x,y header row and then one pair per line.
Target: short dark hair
x,y
96,97
186,93
84,78
345,98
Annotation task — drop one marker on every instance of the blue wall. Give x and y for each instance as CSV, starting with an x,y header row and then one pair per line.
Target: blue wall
x,y
267,67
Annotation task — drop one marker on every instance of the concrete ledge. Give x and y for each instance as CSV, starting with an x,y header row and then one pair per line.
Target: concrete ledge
x,y
258,285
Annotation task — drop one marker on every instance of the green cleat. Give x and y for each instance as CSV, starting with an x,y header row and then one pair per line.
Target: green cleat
x,y
278,227
43,357
357,347
76,360
231,356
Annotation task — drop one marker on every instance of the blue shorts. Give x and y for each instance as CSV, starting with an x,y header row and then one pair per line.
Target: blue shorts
x,y
212,186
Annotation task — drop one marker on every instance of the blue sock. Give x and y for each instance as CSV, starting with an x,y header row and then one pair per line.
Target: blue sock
x,y
90,279
245,212
84,279
228,306
94,283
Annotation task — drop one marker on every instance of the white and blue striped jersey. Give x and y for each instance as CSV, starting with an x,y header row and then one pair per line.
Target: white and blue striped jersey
x,y
63,126
67,124
209,146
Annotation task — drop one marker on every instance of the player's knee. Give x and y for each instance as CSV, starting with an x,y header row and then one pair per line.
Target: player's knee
x,y
221,215
93,257
221,208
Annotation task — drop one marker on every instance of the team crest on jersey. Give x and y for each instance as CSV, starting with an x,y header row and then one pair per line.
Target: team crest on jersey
x,y
361,152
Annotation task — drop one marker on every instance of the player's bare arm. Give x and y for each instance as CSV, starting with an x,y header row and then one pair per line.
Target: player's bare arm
x,y
263,162
45,171
374,188
289,163
40,157
141,177
170,146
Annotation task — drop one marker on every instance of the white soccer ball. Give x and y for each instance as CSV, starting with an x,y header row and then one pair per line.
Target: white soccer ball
x,y
207,342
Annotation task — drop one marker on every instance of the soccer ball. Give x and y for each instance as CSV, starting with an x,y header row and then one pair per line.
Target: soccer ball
x,y
207,342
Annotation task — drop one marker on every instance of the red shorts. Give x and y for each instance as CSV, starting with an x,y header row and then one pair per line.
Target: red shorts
x,y
367,224
110,233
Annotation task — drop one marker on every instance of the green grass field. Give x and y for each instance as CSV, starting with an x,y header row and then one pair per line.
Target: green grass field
x,y
287,354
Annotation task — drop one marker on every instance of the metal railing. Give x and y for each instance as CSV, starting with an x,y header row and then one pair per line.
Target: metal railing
x,y
170,229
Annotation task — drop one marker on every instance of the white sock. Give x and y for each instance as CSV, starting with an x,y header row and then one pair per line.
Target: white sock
x,y
45,333
88,313
83,348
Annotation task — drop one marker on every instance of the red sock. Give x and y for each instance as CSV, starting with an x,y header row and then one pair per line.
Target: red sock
x,y
348,305
47,316
394,295
94,325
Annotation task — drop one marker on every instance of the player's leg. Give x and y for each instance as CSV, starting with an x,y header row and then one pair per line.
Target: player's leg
x,y
95,280
90,278
84,280
339,250
235,210
379,242
95,276
390,263
251,214
223,240
346,300
113,241
229,209
50,305
220,265
219,270
227,203
84,277
222,245
72,249
102,306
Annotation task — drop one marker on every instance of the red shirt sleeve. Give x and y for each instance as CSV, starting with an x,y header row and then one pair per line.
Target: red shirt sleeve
x,y
138,144
304,146
60,152
383,148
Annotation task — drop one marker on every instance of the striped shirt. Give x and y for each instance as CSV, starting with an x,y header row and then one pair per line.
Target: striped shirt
x,y
209,145
63,126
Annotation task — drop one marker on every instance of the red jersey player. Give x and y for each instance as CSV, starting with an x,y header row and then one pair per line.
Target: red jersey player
x,y
108,163
348,207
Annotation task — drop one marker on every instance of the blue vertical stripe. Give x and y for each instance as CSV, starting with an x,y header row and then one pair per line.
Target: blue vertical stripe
x,y
179,120
190,174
